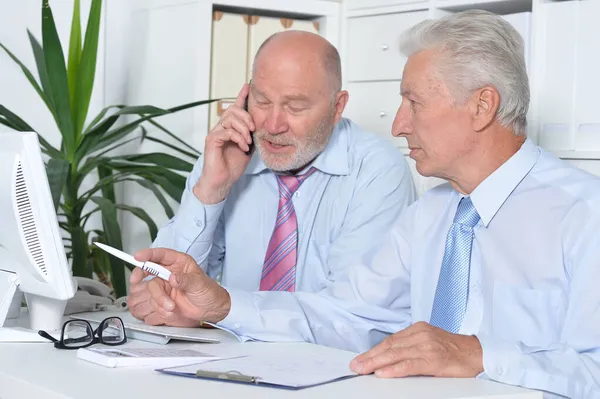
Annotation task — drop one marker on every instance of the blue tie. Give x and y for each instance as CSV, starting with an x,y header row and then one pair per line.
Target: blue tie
x,y
450,302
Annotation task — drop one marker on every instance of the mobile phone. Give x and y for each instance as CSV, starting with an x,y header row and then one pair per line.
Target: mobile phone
x,y
251,145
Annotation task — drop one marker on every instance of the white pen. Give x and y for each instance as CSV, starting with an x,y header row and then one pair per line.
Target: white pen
x,y
151,267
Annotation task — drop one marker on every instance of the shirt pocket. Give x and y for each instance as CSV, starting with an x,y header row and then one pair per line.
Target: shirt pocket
x,y
526,315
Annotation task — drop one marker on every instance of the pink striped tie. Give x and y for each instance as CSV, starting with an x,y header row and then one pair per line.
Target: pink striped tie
x,y
279,269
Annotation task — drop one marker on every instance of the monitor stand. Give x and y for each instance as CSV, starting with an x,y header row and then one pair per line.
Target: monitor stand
x,y
44,313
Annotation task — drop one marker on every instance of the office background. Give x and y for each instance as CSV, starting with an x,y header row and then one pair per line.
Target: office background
x,y
170,52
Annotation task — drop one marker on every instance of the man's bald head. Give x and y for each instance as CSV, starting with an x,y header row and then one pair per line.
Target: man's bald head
x,y
306,47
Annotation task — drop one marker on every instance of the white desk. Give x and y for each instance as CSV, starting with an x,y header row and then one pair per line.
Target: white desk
x,y
39,371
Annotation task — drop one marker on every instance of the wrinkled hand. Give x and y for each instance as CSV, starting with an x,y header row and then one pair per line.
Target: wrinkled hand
x,y
189,297
138,300
224,153
422,349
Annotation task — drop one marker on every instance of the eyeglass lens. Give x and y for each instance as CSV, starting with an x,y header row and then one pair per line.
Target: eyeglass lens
x,y
111,331
77,334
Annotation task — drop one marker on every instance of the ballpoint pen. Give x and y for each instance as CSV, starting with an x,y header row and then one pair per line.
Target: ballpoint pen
x,y
151,267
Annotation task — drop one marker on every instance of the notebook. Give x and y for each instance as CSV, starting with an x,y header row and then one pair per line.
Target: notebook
x,y
136,329
275,367
143,357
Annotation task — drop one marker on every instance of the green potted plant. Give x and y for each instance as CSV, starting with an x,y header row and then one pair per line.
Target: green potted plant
x,y
66,87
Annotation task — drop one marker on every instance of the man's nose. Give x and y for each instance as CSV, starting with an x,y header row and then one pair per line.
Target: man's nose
x,y
402,125
276,121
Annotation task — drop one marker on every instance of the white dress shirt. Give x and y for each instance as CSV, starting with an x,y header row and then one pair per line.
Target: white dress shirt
x,y
344,209
534,297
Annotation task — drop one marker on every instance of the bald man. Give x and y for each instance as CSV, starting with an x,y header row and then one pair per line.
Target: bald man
x,y
282,225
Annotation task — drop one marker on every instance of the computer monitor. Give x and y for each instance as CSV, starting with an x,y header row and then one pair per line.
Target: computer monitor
x,y
32,253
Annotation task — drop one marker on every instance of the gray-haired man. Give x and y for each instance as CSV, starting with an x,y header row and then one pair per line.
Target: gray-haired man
x,y
495,272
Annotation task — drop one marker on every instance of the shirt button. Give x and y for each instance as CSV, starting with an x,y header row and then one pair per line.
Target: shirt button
x,y
476,288
499,370
237,325
297,194
199,223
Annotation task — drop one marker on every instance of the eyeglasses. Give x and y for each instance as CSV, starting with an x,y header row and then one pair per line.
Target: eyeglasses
x,y
78,333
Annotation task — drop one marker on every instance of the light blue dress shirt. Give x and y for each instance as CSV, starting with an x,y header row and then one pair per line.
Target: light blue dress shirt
x,y
344,209
534,295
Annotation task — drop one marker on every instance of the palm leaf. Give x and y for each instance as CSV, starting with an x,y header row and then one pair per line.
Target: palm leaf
x,y
87,69
174,147
143,216
159,196
157,158
74,52
172,135
29,76
57,170
38,54
57,78
112,235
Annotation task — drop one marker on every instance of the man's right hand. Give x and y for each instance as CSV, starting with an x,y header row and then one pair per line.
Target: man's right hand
x,y
224,154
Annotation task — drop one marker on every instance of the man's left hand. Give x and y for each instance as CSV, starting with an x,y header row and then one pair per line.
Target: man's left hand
x,y
422,349
190,296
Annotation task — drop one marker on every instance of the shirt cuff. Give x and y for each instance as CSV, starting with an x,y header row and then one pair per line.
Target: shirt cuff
x,y
194,218
238,318
500,360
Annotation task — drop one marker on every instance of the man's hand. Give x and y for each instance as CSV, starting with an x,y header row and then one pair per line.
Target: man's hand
x,y
139,297
422,349
224,153
190,296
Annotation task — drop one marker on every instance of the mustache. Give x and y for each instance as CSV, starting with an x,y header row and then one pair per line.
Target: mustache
x,y
279,139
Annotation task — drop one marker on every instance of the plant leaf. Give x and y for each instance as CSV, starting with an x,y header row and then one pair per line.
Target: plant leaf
x,y
157,158
74,52
173,147
57,171
38,54
86,72
172,135
112,235
142,215
57,78
16,122
29,76
79,248
159,196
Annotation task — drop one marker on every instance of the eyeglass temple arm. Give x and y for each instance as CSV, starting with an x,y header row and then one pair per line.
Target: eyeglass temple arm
x,y
44,334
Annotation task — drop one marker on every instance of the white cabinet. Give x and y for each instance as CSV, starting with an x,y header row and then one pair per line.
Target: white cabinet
x,y
372,42
377,114
569,83
359,4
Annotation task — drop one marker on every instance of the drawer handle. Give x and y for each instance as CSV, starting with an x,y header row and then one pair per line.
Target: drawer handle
x,y
384,47
382,114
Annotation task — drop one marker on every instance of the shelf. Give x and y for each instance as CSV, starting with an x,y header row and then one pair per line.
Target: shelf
x,y
577,154
501,7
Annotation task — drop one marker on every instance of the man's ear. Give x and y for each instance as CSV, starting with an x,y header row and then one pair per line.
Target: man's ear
x,y
341,99
484,106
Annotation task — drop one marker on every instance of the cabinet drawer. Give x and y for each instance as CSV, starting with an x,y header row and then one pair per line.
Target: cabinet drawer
x,y
358,4
373,52
373,106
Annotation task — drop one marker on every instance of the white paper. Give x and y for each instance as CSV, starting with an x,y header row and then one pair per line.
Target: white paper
x,y
294,369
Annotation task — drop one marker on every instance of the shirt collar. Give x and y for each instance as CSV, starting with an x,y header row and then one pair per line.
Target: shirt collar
x,y
491,194
332,160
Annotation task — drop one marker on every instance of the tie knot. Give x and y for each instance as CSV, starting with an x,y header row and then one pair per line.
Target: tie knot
x,y
289,184
466,213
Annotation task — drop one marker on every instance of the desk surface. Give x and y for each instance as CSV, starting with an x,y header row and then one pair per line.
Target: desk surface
x,y
37,370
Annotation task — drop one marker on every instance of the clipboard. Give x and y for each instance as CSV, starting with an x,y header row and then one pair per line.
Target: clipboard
x,y
274,370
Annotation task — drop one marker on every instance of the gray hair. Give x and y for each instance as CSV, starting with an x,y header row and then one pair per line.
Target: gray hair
x,y
477,49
